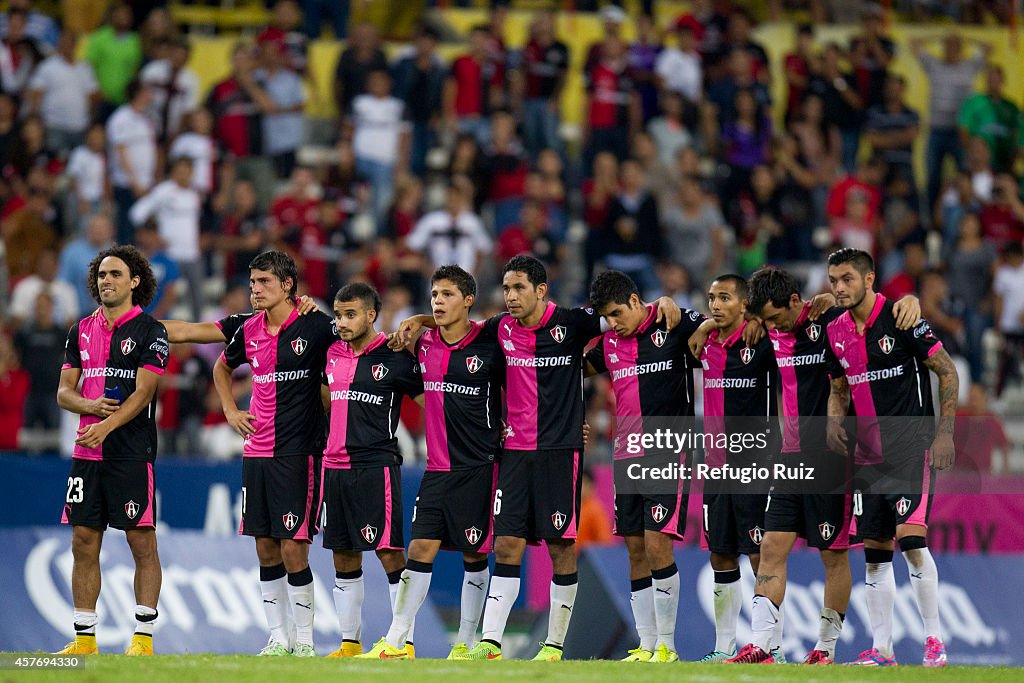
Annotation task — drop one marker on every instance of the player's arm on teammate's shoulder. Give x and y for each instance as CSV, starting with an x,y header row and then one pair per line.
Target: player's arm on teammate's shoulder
x,y
700,337
593,360
408,331
838,408
907,312
184,332
942,452
669,311
305,304
240,420
146,382
821,304
753,332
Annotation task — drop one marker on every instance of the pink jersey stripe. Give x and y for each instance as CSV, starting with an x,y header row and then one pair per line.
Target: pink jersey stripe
x,y
261,351
94,332
571,532
920,516
148,518
522,393
385,534
628,411
435,367
672,525
785,343
303,534
488,544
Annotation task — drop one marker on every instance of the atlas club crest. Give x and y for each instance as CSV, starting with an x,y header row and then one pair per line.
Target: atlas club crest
x,y
473,535
127,345
299,345
826,530
747,355
379,371
290,519
813,331
886,343
659,512
369,533
756,534
903,506
558,333
131,508
473,364
659,337
558,519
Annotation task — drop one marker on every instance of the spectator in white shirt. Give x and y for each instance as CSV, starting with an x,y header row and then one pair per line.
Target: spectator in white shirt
x,y
28,289
176,207
679,68
197,144
65,93
453,234
175,89
380,139
89,187
132,143
278,93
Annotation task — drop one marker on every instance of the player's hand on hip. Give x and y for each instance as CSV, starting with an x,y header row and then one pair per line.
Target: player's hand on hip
x,y
92,436
668,311
907,311
942,454
242,422
103,407
837,438
306,305
820,305
753,332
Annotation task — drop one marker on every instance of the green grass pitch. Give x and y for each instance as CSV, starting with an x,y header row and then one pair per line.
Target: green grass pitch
x,y
225,668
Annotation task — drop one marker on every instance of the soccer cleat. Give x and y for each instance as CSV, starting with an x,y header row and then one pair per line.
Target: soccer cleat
x,y
818,657
638,655
275,649
348,648
304,650
548,653
483,650
751,654
779,656
458,651
381,650
663,655
873,657
934,653
410,650
716,657
141,646
83,644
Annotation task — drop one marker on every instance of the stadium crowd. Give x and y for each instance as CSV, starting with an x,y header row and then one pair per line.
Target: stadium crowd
x,y
683,167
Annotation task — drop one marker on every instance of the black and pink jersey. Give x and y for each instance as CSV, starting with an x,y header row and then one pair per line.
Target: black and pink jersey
x,y
803,373
740,388
109,358
231,323
462,385
888,381
286,371
651,373
544,385
366,398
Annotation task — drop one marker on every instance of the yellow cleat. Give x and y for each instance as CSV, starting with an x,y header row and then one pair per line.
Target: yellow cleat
x,y
548,653
348,648
459,651
638,655
141,646
664,655
83,644
410,650
384,651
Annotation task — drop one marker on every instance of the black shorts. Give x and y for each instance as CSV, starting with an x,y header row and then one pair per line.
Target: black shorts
x,y
118,493
361,509
455,508
636,513
278,496
808,508
907,500
734,522
538,495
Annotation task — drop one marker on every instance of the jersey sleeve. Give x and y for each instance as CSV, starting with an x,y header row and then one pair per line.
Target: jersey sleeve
x,y
493,324
234,352
231,324
595,357
411,382
154,356
72,354
833,366
685,329
921,339
587,321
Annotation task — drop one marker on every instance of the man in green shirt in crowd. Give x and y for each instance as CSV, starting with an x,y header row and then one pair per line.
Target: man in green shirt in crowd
x,y
994,119
115,53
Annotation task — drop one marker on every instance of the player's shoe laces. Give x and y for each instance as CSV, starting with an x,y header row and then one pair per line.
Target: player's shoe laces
x,y
873,657
779,656
638,655
348,648
548,653
381,650
410,650
716,656
141,646
483,650
459,650
83,644
751,654
818,657
934,653
664,655
304,650
275,649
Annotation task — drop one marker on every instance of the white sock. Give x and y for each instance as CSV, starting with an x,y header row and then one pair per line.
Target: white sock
x,y
764,617
829,627
924,578
300,594
348,603
409,597
145,619
85,622
666,605
563,597
275,605
474,594
502,595
395,580
777,631
641,601
880,595
727,609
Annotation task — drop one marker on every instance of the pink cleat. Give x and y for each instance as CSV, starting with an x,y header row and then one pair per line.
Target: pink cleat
x,y
751,654
817,657
934,653
873,657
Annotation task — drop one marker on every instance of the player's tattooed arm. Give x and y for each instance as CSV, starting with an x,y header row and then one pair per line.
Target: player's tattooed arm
x,y
942,453
838,408
821,304
907,311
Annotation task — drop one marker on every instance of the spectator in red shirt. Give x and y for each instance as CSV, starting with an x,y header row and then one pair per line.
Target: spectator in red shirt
x,y
544,67
14,386
867,180
798,68
530,236
611,107
978,434
1002,220
241,227
237,117
295,226
473,87
907,281
612,17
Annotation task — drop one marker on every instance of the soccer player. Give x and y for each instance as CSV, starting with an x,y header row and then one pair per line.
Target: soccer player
x,y
283,431
463,372
803,508
361,499
883,370
739,397
538,490
652,376
119,353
